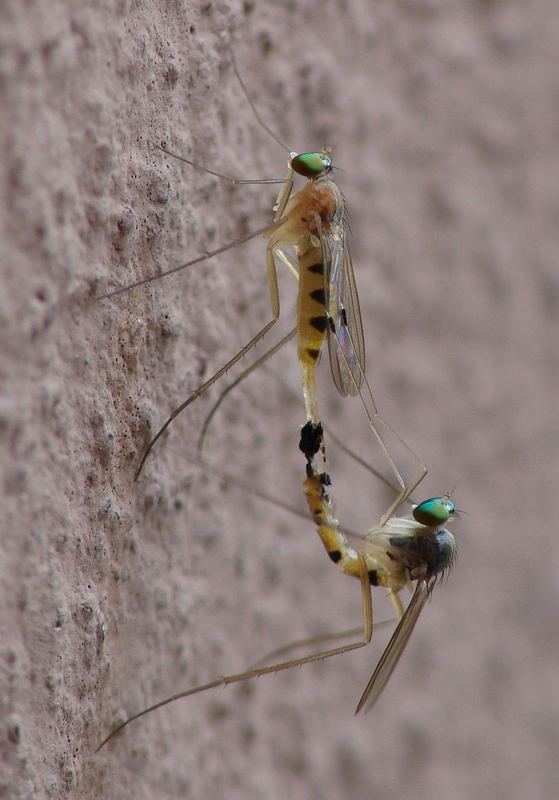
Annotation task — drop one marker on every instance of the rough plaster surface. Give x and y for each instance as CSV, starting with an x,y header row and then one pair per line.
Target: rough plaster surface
x,y
443,115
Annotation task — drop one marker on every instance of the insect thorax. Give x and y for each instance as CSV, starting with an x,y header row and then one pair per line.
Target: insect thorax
x,y
316,208
425,555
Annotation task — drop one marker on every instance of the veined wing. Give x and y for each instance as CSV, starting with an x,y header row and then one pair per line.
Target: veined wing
x,y
395,648
346,343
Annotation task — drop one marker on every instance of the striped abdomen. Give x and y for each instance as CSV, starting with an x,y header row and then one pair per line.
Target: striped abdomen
x,y
316,493
311,319
312,213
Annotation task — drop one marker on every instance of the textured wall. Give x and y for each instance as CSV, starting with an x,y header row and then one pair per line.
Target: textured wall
x,y
443,115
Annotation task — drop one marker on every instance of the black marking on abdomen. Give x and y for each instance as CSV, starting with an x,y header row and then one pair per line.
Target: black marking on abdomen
x,y
319,295
325,479
373,579
319,323
335,555
317,269
311,439
312,353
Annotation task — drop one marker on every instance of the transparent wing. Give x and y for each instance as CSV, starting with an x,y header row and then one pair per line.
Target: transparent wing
x,y
394,649
346,343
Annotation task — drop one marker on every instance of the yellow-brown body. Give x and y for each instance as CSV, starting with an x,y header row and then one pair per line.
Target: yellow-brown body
x,y
312,215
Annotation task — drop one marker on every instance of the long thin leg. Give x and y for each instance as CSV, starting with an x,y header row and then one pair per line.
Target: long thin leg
x,y
255,673
375,419
329,430
255,111
228,178
358,460
260,121
292,266
259,361
396,602
288,261
245,487
275,302
249,489
311,641
284,193
205,257
407,489
331,434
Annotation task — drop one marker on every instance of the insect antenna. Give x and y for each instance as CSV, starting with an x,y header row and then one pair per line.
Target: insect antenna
x,y
255,111
258,363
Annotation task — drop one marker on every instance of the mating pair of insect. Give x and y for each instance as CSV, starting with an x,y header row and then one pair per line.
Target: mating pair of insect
x,y
398,551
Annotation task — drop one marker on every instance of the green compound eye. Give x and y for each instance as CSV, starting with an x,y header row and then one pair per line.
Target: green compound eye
x,y
435,511
311,165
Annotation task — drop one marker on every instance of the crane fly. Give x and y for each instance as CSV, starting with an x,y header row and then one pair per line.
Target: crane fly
x,y
403,550
313,221
394,554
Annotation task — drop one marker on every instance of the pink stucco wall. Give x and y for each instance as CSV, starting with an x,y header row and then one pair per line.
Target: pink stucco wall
x,y
443,116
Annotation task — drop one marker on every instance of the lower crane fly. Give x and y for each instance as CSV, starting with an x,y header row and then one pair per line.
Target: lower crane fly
x,y
394,554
